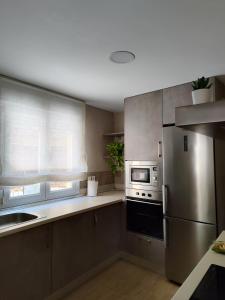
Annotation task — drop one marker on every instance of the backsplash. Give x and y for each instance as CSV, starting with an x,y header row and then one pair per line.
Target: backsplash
x,y
105,181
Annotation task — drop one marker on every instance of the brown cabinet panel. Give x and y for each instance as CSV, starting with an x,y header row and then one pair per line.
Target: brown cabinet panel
x,y
173,97
107,232
73,240
82,242
143,126
25,265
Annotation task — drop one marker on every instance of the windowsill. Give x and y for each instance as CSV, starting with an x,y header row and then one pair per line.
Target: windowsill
x,y
52,210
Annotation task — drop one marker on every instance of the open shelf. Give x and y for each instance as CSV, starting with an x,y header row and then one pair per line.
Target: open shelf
x,y
113,134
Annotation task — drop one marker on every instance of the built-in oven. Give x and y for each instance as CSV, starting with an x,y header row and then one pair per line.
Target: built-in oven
x,y
145,213
142,175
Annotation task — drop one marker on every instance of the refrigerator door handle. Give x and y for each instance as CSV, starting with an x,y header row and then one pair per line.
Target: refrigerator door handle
x,y
164,194
165,232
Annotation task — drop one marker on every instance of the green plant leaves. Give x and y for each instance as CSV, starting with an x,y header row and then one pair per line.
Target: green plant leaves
x,y
201,83
115,152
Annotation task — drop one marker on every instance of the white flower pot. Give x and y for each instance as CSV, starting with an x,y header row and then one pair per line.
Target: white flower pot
x,y
201,96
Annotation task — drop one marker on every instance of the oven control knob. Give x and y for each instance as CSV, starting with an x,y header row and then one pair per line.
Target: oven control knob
x,y
143,194
149,195
155,178
137,193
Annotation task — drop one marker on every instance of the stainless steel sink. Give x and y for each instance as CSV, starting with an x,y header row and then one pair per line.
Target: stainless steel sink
x,y
15,219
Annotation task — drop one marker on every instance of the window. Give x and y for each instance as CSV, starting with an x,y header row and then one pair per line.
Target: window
x,y
27,190
18,195
60,186
62,189
42,143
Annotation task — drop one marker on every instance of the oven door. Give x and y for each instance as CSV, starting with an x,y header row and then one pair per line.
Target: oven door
x,y
145,217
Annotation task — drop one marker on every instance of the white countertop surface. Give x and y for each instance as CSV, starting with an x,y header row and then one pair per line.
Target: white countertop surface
x,y
59,209
190,284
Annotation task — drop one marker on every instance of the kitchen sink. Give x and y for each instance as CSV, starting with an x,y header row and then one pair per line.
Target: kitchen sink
x,y
15,219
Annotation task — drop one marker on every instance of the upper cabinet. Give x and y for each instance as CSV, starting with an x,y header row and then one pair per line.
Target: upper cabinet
x,y
143,127
173,97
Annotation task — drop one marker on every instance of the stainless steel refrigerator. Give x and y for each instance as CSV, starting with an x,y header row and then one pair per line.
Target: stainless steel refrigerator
x,y
189,199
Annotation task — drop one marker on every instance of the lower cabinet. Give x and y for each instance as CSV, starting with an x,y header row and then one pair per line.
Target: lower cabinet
x,y
107,232
24,268
72,248
82,242
39,261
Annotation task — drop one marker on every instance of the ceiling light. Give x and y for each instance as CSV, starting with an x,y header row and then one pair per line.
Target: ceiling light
x,y
122,57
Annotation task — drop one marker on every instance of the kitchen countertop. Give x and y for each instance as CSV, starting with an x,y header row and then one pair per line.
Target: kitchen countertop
x,y
58,209
190,284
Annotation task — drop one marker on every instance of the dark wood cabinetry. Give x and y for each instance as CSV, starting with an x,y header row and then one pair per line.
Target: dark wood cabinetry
x,y
72,248
107,232
143,126
82,242
173,97
39,261
25,265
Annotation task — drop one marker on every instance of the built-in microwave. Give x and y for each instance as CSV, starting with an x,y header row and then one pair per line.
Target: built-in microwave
x,y
142,175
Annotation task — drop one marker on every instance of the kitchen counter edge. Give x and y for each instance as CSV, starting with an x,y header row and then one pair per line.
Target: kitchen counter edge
x,y
59,209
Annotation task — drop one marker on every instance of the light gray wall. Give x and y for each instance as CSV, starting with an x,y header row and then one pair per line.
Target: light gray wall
x,y
98,122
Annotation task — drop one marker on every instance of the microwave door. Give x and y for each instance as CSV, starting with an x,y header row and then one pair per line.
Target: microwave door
x,y
140,175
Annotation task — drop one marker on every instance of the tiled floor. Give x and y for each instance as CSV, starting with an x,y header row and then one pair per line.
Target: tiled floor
x,y
125,281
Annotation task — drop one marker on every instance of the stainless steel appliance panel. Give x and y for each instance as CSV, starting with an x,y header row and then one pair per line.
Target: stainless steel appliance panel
x,y
145,217
186,243
145,195
142,175
188,175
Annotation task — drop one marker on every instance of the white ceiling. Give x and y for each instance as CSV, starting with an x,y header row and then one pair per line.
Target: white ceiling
x,y
65,45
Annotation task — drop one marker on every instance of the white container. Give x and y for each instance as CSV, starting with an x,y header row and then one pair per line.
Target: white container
x,y
201,96
92,188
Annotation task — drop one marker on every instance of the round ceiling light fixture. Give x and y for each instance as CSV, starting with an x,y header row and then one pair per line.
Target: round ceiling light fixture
x,y
122,57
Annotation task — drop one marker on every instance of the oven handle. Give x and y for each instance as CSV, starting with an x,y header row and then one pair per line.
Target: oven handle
x,y
149,203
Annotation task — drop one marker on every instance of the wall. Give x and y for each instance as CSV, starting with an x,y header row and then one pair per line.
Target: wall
x,y
98,122
119,127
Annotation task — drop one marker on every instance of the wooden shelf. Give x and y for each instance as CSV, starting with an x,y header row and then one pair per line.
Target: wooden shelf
x,y
113,134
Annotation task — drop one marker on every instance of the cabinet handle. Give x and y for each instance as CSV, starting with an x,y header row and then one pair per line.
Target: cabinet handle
x,y
95,219
159,149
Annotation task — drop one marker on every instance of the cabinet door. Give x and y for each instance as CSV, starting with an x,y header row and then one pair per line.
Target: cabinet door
x,y
72,248
173,97
107,232
25,265
143,126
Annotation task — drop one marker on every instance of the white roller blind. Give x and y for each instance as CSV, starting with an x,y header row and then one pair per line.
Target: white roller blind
x,y
42,136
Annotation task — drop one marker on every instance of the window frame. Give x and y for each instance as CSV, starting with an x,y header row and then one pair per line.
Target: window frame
x,y
8,201
44,195
75,190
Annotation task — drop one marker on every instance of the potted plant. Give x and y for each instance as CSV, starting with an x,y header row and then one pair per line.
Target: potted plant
x,y
201,92
115,156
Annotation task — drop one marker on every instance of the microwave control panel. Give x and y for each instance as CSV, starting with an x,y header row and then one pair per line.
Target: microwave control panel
x,y
154,175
